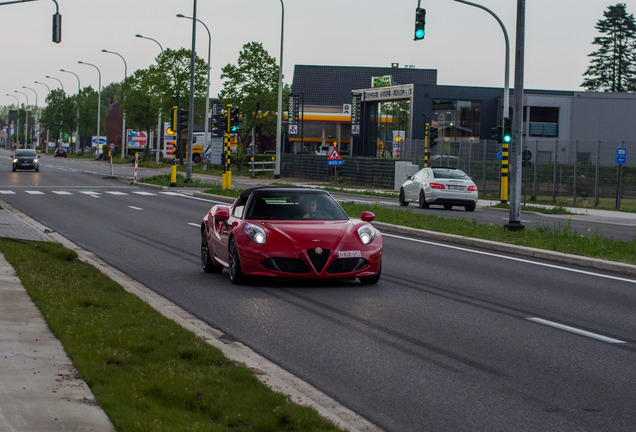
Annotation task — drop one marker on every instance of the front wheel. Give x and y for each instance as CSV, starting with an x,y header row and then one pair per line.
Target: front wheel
x,y
196,157
371,280
403,201
236,274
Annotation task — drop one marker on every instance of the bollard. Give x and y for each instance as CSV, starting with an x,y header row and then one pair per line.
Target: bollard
x,y
173,173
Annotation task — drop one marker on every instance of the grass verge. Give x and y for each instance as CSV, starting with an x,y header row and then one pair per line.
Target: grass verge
x,y
147,372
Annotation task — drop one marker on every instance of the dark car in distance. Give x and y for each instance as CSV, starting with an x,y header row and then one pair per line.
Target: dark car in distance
x,y
61,152
26,159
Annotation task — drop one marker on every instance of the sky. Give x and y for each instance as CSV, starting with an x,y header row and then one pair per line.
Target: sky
x,y
464,43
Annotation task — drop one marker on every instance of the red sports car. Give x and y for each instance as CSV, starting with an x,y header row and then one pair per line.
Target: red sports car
x,y
287,232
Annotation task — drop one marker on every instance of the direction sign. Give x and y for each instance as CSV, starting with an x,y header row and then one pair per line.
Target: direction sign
x,y
621,155
137,139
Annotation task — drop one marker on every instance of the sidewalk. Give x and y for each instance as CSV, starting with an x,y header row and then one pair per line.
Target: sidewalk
x,y
40,389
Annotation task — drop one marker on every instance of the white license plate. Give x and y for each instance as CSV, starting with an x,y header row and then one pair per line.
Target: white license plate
x,y
349,254
455,187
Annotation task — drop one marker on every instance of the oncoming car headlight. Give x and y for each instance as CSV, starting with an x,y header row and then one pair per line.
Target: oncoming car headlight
x,y
366,233
256,233
15,160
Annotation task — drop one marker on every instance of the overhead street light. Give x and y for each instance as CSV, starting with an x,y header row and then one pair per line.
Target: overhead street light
x,y
37,130
207,99
159,127
99,98
77,137
26,124
46,147
123,122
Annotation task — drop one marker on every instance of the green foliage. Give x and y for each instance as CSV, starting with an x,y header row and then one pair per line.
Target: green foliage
x,y
252,85
147,372
613,65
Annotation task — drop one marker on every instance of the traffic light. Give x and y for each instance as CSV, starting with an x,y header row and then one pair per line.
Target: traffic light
x,y
57,27
182,119
507,130
173,120
219,125
236,122
432,135
420,22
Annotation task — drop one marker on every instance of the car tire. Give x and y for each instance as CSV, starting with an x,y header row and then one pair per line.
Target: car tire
x,y
236,274
470,207
403,202
448,206
423,203
13,169
37,169
371,280
196,157
207,263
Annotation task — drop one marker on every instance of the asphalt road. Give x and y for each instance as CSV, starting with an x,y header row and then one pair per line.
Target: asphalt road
x,y
452,338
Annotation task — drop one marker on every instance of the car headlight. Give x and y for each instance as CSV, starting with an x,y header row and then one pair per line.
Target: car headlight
x,y
15,160
366,233
256,233
36,160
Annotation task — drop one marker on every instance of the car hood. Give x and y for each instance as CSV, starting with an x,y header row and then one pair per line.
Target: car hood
x,y
311,234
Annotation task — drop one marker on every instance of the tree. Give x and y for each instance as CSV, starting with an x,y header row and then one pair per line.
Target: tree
x,y
613,65
252,85
60,113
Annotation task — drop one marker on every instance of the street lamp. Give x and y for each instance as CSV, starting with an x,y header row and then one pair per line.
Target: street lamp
x,y
123,122
207,99
46,147
56,79
99,97
26,124
77,137
159,128
17,118
37,130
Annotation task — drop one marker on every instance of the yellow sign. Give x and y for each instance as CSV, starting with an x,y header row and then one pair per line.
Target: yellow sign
x,y
398,138
170,131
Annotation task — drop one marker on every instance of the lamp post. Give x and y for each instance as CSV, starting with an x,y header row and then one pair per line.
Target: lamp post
x,y
159,128
207,99
63,93
46,147
77,137
17,118
123,123
37,130
99,97
279,120
26,124
506,96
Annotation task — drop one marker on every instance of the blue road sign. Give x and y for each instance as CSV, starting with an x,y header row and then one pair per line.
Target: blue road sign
x,y
621,155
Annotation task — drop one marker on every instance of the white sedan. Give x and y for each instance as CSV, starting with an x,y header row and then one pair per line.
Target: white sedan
x,y
444,186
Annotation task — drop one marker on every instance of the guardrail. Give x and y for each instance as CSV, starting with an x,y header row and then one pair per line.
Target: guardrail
x,y
262,166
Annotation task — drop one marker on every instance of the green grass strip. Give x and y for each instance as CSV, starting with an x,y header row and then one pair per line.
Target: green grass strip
x,y
147,372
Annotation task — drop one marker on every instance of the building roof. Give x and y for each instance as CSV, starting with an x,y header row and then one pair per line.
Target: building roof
x,y
332,85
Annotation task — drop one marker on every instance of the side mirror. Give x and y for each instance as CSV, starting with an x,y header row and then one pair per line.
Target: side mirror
x,y
222,214
367,216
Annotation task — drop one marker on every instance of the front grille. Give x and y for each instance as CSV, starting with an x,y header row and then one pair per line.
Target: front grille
x,y
287,265
318,260
347,265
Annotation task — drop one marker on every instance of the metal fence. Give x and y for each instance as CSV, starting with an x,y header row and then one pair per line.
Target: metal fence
x,y
577,170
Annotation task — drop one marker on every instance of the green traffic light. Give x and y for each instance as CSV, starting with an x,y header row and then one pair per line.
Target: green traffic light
x,y
507,138
419,34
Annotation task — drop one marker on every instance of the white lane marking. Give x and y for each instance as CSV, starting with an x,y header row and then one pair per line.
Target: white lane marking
x,y
116,193
7,192
32,192
194,225
135,208
89,192
144,193
171,193
525,261
62,192
576,331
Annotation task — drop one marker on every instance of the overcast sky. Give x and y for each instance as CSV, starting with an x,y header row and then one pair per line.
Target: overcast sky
x,y
465,44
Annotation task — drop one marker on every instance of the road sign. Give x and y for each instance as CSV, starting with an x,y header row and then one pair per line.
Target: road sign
x,y
334,158
621,155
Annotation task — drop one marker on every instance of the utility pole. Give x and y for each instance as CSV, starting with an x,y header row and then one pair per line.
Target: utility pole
x,y
514,223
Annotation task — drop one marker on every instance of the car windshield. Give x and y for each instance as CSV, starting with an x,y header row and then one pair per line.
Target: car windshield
x,y
450,174
294,205
27,153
